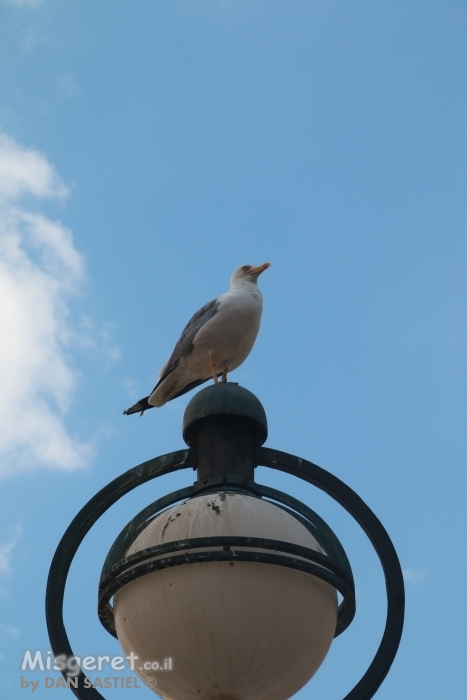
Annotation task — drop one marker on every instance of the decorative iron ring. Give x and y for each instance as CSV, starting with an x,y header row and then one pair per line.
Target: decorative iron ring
x,y
318,477
379,538
75,534
144,562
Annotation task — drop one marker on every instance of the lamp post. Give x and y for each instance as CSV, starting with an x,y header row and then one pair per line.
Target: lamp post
x,y
235,581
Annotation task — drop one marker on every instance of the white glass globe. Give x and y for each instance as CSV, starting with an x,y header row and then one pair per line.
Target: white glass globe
x,y
227,630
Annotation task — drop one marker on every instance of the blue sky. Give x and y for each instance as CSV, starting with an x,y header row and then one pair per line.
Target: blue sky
x,y
146,150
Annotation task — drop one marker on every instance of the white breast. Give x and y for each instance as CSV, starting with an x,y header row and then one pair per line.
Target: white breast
x,y
231,333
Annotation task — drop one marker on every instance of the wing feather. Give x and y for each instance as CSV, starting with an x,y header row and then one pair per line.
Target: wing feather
x,y
185,343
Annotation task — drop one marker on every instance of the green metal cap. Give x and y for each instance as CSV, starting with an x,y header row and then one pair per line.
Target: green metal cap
x,y
226,400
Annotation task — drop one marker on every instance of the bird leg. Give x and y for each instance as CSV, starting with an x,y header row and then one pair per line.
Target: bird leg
x,y
224,375
212,365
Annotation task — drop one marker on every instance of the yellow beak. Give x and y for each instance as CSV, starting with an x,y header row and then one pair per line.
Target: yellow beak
x,y
258,270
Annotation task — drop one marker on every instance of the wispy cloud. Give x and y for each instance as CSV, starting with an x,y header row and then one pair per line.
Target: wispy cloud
x,y
6,549
24,171
9,631
40,272
413,575
8,634
33,38
68,86
96,341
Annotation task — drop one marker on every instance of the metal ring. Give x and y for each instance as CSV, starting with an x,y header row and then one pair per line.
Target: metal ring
x,y
379,538
131,531
144,562
334,487
75,534
320,530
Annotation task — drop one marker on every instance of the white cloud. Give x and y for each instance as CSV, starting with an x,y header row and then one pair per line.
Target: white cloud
x,y
6,549
40,272
413,575
25,171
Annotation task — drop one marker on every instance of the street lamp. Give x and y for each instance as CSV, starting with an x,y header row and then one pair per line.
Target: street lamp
x,y
235,581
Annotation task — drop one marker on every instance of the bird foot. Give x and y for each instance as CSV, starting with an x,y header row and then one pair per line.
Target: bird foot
x,y
212,365
224,375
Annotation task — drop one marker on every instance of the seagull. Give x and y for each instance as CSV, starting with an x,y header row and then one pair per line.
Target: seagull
x,y
215,341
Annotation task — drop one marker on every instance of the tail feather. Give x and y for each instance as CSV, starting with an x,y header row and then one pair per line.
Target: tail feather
x,y
140,407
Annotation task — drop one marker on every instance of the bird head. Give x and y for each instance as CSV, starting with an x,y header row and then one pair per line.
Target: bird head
x,y
248,273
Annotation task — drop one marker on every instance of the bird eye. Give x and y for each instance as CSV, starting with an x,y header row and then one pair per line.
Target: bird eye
x,y
245,268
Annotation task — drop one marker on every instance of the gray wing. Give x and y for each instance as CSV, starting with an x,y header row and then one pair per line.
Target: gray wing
x,y
185,343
